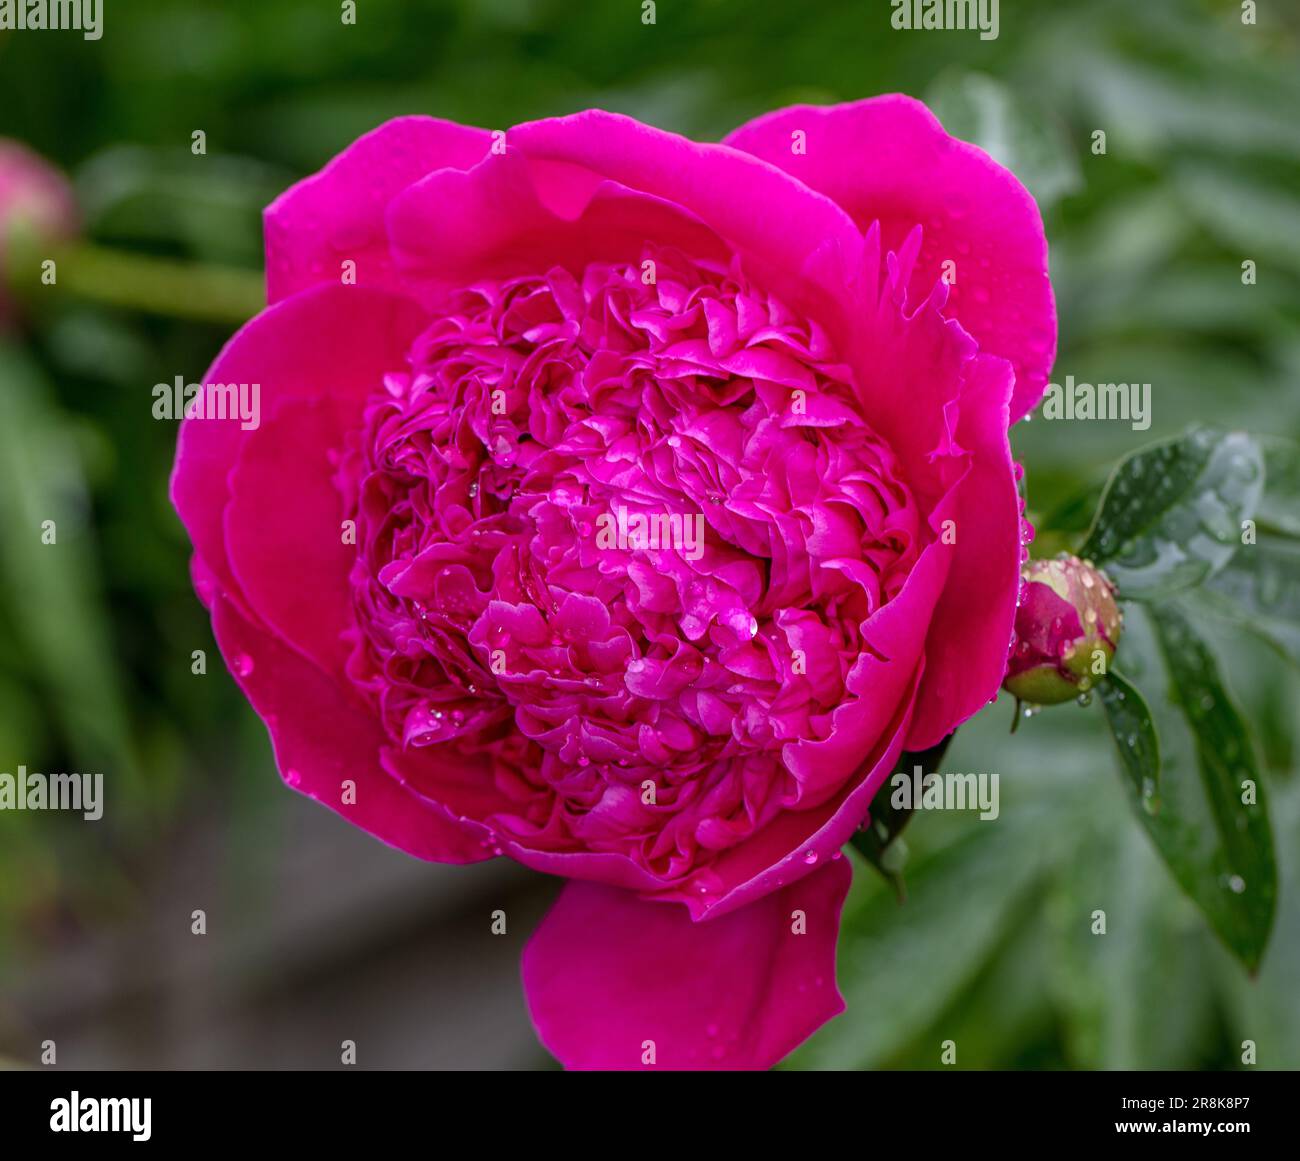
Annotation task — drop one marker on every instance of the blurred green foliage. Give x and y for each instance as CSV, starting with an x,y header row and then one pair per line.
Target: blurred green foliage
x,y
1201,173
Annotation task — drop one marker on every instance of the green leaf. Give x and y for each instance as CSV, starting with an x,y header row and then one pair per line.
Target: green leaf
x,y
1259,591
1171,514
879,843
1135,738
1218,847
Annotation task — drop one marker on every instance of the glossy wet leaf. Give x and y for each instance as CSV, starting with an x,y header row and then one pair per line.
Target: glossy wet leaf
x,y
1135,737
1172,512
1259,590
1212,826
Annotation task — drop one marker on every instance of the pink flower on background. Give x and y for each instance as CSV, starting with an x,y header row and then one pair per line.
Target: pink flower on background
x,y
560,335
35,201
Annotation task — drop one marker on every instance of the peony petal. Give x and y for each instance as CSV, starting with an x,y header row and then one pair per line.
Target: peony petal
x,y
509,216
966,656
321,739
796,842
597,184
305,347
337,214
606,972
888,159
792,237
284,531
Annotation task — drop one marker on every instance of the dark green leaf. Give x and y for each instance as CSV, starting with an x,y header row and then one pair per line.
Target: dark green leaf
x,y
879,841
1259,591
1135,738
1172,512
1219,847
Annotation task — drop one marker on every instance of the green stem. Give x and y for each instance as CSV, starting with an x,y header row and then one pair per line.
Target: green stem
x,y
163,286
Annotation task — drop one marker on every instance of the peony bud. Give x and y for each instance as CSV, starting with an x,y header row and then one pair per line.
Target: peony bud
x,y
1067,627
36,207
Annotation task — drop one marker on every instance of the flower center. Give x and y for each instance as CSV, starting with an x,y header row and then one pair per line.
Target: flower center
x,y
619,533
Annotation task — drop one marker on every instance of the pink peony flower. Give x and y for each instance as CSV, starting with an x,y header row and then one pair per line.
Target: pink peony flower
x,y
637,507
36,205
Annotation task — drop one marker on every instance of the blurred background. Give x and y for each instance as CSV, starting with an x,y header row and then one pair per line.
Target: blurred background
x,y
317,933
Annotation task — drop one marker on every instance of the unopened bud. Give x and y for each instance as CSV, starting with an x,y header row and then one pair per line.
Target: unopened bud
x,y
1067,627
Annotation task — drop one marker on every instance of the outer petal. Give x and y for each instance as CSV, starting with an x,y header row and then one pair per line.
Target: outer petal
x,y
888,159
606,972
283,529
508,216
321,738
788,229
338,213
603,172
970,633
305,347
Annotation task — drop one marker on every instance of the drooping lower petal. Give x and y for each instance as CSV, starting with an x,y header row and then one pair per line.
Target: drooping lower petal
x,y
616,983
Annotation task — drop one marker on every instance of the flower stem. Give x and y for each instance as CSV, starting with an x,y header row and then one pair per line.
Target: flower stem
x,y
162,286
